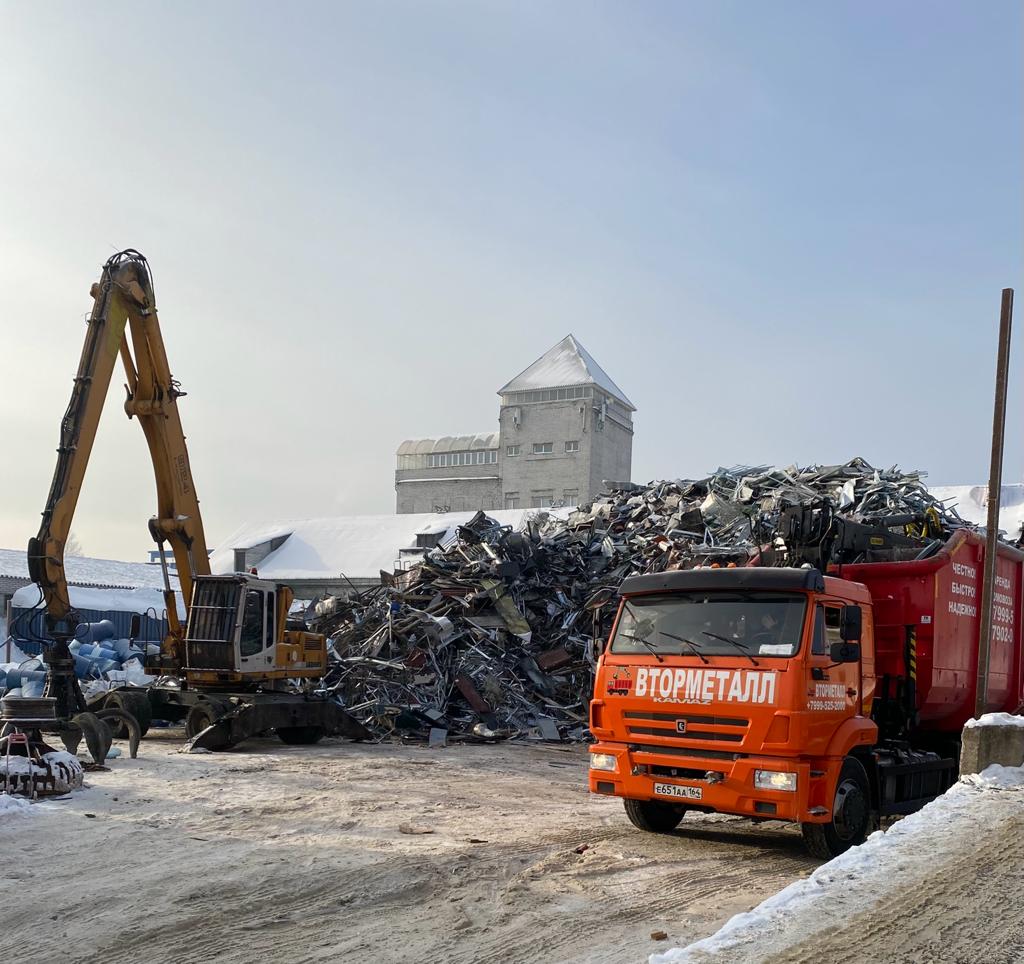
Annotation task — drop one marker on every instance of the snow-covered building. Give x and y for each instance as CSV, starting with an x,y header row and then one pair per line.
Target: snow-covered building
x,y
971,501
563,428
337,555
99,588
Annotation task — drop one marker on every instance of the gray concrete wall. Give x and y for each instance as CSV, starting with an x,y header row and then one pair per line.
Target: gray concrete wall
x,y
612,457
461,488
556,422
997,743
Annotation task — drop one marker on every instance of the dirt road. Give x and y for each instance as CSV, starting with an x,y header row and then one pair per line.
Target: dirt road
x,y
277,853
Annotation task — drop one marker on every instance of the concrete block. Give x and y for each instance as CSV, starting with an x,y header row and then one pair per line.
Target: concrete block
x,y
990,743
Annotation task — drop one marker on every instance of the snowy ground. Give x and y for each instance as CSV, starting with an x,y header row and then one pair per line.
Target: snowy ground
x,y
282,854
943,884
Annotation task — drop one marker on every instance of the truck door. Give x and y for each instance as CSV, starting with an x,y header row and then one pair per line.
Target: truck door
x,y
832,690
256,640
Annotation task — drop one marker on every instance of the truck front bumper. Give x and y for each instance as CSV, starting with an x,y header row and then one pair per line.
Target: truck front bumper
x,y
720,786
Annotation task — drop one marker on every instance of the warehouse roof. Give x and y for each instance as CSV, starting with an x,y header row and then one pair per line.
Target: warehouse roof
x,y
449,443
971,501
81,571
563,366
357,546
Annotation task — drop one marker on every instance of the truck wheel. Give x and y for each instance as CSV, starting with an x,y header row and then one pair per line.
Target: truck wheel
x,y
200,716
851,815
137,704
300,735
653,816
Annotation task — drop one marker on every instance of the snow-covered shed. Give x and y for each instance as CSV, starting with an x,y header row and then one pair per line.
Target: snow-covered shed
x,y
336,555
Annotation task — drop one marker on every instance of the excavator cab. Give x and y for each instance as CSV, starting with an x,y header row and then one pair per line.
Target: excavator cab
x,y
235,634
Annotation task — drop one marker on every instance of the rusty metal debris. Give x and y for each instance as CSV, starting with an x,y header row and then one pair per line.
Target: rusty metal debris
x,y
491,635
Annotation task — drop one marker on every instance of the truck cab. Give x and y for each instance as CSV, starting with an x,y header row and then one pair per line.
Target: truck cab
x,y
746,691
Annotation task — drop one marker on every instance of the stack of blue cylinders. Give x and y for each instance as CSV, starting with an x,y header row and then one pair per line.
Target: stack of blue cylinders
x,y
96,653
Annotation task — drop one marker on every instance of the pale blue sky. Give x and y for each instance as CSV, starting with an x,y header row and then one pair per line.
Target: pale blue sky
x,y
781,227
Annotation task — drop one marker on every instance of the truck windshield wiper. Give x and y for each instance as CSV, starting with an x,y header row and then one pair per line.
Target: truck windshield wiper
x,y
646,645
732,642
694,649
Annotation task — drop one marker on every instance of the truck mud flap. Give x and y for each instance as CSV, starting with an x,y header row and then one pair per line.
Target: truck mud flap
x,y
247,719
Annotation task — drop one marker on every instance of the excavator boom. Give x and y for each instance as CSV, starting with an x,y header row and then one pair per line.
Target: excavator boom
x,y
240,669
123,301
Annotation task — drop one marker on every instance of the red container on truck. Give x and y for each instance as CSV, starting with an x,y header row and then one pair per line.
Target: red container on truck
x,y
783,693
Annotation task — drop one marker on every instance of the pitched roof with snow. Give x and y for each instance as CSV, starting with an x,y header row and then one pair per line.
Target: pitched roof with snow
x,y
971,501
566,365
91,572
356,546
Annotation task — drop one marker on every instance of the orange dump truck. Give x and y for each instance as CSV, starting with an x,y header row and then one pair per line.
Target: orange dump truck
x,y
786,694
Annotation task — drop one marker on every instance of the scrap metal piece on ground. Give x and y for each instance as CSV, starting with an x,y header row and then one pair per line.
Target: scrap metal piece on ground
x,y
438,738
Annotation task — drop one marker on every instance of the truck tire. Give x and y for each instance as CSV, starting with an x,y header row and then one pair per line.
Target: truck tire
x,y
654,816
200,716
851,815
134,703
300,735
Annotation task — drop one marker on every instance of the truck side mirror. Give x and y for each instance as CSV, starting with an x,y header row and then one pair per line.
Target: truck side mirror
x,y
845,652
851,621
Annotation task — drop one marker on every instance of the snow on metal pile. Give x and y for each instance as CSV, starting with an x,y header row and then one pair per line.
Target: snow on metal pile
x,y
492,635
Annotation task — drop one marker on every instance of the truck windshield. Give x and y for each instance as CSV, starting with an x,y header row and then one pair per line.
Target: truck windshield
x,y
711,624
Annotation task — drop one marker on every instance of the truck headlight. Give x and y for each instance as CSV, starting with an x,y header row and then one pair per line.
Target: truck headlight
x,y
774,780
603,761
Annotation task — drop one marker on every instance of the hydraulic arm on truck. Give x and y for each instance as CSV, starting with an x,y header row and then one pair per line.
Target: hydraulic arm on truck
x,y
237,667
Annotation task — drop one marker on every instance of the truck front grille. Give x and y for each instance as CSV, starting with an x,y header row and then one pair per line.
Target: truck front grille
x,y
728,729
689,735
689,717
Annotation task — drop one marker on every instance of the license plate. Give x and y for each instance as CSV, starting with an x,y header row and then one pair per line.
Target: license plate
x,y
674,790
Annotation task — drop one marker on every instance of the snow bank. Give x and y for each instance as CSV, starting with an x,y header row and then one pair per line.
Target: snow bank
x,y
995,719
858,879
13,807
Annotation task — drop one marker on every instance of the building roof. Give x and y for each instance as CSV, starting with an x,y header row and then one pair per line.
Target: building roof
x,y
357,546
91,572
449,443
971,501
563,366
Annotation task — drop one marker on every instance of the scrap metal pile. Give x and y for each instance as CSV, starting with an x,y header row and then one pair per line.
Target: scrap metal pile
x,y
491,635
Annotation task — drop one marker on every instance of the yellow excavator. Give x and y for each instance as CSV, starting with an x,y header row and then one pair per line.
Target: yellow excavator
x,y
236,668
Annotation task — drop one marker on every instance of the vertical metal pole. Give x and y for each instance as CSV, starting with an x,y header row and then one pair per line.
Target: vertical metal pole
x,y
995,484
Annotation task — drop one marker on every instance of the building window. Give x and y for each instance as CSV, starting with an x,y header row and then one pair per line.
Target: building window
x,y
511,500
572,446
445,459
548,395
543,448
512,451
541,499
571,496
